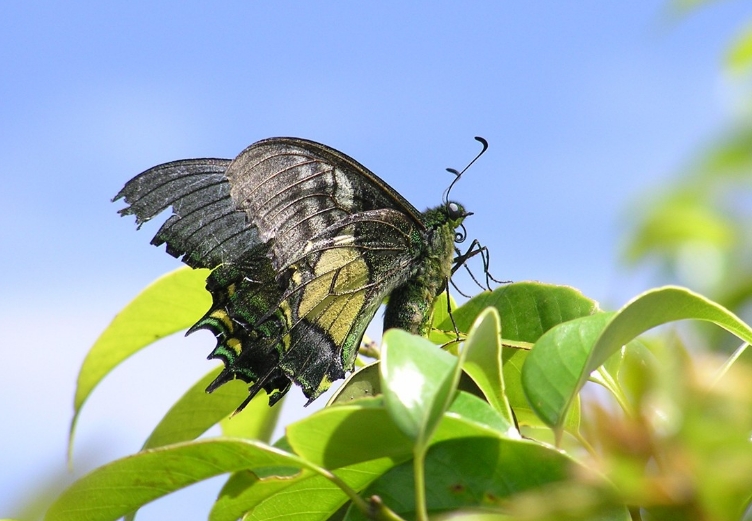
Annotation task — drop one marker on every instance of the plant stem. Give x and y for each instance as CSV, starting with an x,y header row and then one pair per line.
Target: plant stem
x,y
421,512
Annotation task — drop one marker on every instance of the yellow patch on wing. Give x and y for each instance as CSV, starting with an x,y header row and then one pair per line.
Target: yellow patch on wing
x,y
235,345
223,317
287,312
324,385
335,298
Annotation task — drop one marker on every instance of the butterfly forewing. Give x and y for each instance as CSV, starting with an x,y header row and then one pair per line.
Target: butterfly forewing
x,y
294,189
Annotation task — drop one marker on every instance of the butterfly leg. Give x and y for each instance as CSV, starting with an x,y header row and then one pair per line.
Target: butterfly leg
x,y
476,249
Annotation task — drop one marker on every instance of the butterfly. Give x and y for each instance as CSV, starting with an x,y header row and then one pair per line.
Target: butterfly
x,y
305,244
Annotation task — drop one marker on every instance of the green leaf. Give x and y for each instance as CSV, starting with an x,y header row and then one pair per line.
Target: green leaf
x,y
197,411
440,319
471,471
513,361
563,359
256,421
171,303
122,486
526,309
345,435
349,434
556,361
417,380
470,407
623,374
482,361
363,383
316,498
244,491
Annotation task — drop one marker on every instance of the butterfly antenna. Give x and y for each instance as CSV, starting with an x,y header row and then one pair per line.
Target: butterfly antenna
x,y
458,174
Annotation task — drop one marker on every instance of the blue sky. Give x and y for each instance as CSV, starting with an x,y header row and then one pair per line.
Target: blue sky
x,y
586,106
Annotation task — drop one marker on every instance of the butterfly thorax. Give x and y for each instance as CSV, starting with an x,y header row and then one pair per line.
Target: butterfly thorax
x,y
410,304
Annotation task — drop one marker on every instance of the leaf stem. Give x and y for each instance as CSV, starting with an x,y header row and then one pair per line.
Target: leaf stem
x,y
419,452
360,503
604,378
727,365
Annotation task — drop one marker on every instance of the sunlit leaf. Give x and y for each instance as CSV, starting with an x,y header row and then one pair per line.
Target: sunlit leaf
x,y
417,382
197,411
316,498
122,486
363,383
348,434
482,361
171,303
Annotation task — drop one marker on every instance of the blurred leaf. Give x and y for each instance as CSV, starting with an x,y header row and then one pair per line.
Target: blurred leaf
x,y
417,380
684,6
729,157
171,303
563,359
739,54
679,219
741,353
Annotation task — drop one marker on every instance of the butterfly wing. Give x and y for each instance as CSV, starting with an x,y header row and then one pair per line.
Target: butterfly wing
x,y
308,241
205,229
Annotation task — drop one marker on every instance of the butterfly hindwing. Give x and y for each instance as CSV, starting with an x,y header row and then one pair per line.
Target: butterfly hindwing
x,y
337,283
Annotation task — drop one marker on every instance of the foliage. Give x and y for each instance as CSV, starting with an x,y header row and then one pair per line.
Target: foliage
x,y
696,229
463,432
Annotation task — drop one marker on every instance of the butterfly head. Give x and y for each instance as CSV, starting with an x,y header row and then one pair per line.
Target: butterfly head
x,y
456,213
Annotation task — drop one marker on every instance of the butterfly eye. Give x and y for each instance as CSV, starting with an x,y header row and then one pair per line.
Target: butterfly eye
x,y
455,211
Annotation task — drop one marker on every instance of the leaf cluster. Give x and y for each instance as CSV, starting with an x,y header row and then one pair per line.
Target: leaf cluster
x,y
499,424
